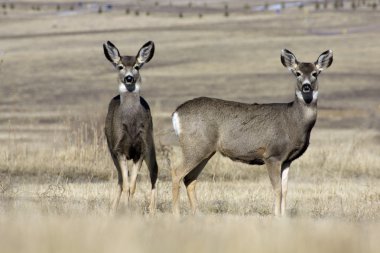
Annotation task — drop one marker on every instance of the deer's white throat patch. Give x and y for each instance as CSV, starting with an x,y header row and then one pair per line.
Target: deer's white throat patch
x,y
123,89
300,97
176,123
310,113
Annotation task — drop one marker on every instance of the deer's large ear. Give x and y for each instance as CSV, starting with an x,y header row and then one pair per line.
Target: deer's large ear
x,y
288,59
146,53
111,52
324,60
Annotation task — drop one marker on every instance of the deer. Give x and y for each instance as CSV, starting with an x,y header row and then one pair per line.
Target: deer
x,y
129,126
273,134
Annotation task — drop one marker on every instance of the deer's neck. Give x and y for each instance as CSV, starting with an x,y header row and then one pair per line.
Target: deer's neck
x,y
129,98
305,113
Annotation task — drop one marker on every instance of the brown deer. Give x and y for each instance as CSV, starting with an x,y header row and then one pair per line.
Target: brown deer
x,y
129,127
270,134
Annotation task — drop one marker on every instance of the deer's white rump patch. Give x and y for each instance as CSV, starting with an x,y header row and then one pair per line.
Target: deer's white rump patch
x,y
176,123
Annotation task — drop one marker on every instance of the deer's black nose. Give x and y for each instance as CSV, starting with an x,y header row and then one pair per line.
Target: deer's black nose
x,y
128,79
306,88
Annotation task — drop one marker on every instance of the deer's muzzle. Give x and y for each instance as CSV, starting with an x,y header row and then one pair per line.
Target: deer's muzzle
x,y
129,79
306,88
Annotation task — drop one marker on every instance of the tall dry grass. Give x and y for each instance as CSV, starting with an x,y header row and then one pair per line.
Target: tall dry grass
x,y
81,152
337,177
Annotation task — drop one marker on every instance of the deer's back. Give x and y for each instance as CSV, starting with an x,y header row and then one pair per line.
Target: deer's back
x,y
229,115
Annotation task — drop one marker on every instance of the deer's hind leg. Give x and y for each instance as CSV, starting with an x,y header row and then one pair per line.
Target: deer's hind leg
x,y
190,181
151,163
193,161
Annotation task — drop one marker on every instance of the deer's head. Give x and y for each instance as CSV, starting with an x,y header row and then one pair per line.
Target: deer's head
x,y
306,73
129,67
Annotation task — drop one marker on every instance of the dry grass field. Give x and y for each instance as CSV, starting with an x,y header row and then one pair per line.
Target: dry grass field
x,y
56,176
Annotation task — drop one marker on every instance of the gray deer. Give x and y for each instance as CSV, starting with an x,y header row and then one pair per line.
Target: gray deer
x,y
271,134
129,127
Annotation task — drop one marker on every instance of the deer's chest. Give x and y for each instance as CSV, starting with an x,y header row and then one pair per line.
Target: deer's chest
x,y
298,146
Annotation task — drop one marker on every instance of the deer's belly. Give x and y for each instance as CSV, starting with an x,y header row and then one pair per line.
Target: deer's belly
x,y
244,154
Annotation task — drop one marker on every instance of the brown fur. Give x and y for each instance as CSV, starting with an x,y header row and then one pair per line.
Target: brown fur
x,y
129,129
271,134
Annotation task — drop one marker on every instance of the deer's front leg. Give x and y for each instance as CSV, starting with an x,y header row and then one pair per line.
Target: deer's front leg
x,y
125,191
135,170
274,171
284,186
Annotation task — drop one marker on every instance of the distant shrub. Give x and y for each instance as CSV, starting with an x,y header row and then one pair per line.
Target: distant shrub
x,y
317,6
200,15
147,13
353,5
100,10
325,4
137,12
58,7
336,4
72,7
127,11
226,12
12,6
180,15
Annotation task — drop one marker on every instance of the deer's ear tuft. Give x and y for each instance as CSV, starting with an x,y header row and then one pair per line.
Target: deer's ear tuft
x,y
288,59
111,52
324,60
146,53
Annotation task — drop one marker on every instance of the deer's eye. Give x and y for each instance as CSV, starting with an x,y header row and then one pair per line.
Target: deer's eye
x,y
136,67
298,74
314,74
120,67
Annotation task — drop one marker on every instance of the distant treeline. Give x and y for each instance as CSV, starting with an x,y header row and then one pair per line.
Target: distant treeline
x,y
200,9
